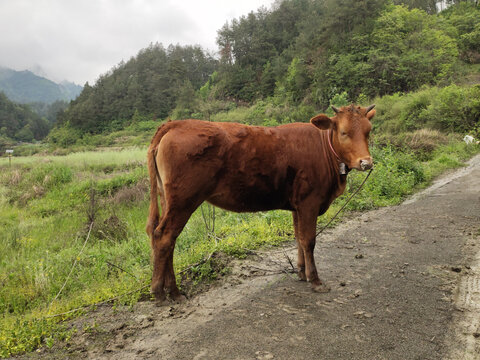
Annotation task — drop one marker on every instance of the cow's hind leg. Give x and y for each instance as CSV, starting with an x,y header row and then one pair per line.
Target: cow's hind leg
x,y
300,257
163,245
306,240
171,283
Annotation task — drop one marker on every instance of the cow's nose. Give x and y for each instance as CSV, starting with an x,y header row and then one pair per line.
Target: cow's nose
x,y
366,164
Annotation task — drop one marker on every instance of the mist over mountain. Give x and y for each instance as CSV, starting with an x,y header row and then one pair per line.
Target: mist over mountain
x,y
26,87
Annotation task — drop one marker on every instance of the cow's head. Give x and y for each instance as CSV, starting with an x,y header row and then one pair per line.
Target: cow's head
x,y
349,131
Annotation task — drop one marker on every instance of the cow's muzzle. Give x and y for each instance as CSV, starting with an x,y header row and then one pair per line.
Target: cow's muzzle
x,y
366,164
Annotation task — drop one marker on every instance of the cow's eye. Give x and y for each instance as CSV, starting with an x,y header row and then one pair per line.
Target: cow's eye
x,y
343,133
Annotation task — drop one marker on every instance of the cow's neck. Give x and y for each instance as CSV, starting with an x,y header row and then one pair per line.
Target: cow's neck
x,y
342,167
332,181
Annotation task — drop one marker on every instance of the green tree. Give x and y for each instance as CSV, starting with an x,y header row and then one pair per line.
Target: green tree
x,y
25,134
430,6
297,80
267,82
409,49
465,18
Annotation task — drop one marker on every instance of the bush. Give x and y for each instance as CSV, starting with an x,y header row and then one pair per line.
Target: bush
x,y
397,173
64,136
452,108
421,142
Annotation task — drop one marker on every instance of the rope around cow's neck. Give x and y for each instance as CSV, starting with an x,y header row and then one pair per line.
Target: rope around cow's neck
x,y
346,203
331,146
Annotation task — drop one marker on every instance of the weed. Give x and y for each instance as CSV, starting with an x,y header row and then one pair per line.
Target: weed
x,y
131,194
112,229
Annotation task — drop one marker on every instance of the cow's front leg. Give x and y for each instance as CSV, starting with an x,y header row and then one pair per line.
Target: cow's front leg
x,y
300,257
307,220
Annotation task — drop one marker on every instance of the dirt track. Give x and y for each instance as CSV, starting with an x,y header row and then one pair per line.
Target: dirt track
x,y
405,285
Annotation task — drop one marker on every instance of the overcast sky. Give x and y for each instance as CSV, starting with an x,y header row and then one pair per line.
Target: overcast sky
x,y
77,40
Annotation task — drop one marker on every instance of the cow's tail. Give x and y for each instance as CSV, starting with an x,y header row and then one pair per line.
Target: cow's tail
x,y
156,185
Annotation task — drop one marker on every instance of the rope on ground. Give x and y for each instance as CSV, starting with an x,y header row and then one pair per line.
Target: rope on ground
x,y
97,304
203,261
121,269
73,266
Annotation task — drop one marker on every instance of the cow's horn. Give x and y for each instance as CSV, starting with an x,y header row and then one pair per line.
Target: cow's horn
x,y
369,108
335,109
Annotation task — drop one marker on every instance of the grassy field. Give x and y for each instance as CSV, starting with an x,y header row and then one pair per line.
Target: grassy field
x,y
72,229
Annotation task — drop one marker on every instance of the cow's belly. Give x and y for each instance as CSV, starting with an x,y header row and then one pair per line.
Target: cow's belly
x,y
239,198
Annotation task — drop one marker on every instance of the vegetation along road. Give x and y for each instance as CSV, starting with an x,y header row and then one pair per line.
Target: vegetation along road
x,y
404,285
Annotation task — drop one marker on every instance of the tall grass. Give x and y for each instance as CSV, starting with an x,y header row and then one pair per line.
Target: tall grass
x,y
85,159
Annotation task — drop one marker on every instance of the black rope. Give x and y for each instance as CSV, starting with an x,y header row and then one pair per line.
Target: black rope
x,y
346,203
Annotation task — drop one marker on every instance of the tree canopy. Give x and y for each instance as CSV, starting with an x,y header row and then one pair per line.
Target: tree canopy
x,y
370,47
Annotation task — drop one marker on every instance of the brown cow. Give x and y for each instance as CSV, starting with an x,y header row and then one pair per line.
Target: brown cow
x,y
298,167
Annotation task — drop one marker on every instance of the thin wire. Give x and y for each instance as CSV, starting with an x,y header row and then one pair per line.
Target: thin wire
x,y
346,203
73,266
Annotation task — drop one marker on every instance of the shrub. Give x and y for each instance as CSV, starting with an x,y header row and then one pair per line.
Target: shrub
x,y
455,108
112,229
64,136
132,194
421,142
452,108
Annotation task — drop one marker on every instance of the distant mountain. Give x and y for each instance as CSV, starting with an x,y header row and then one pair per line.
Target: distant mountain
x,y
71,89
38,70
26,87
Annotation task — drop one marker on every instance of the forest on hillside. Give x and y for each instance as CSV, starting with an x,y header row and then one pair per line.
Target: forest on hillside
x,y
299,53
26,87
29,104
20,122
26,122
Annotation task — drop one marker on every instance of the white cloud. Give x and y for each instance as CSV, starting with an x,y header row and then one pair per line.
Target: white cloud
x,y
80,40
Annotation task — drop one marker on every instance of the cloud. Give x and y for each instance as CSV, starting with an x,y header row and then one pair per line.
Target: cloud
x,y
80,40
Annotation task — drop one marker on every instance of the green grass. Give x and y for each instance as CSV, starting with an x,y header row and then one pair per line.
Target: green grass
x,y
45,203
86,160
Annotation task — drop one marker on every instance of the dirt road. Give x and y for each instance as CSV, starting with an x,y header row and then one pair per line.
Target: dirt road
x,y
405,285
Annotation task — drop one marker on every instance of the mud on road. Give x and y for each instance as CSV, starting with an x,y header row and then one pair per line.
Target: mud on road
x,y
405,284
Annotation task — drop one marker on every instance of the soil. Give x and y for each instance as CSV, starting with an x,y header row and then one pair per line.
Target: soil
x,y
405,284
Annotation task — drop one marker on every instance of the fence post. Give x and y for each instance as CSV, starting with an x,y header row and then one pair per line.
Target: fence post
x,y
9,152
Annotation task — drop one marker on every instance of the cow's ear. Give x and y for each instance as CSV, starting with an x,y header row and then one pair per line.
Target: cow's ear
x,y
321,121
371,114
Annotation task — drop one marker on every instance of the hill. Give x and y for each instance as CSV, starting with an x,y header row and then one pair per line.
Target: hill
x,y
149,84
18,122
26,87
295,58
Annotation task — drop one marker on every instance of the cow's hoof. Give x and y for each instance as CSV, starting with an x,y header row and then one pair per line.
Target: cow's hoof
x,y
320,288
161,300
160,303
179,298
302,276
160,297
